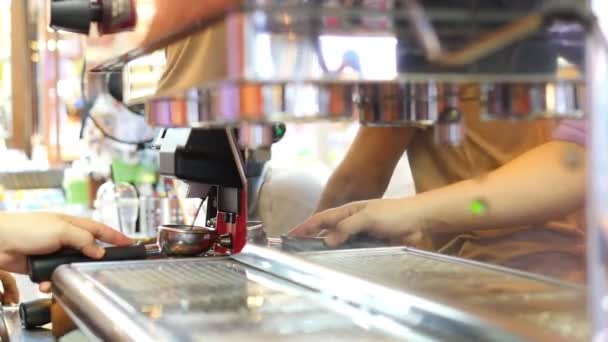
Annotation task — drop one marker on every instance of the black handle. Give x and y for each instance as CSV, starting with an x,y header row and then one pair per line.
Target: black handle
x,y
35,313
41,267
74,15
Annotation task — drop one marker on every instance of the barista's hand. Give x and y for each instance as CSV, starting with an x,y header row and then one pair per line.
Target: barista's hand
x,y
40,233
382,218
10,292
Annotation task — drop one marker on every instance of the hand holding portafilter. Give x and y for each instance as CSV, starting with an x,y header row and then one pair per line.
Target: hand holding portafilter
x,y
173,240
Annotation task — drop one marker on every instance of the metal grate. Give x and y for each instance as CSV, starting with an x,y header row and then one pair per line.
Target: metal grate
x,y
560,309
202,299
206,277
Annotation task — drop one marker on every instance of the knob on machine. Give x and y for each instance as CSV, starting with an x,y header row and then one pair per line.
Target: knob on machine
x,y
77,16
74,15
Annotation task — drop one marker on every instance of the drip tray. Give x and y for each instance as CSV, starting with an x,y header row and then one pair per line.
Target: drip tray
x,y
200,299
526,299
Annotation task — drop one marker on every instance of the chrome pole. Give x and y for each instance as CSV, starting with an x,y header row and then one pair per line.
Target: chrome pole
x,y
597,186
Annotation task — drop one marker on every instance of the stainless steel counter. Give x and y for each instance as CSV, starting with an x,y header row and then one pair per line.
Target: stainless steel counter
x,y
439,294
374,294
523,298
210,299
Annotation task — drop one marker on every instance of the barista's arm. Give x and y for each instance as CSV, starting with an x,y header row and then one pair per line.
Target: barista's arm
x,y
367,167
184,14
542,184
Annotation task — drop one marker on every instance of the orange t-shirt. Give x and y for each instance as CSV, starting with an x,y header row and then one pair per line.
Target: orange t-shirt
x,y
554,249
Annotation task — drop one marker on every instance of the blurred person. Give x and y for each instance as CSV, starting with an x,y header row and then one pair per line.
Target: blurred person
x,y
287,198
369,164
540,185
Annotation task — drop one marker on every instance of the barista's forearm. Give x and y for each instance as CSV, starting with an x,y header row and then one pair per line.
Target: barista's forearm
x,y
184,14
367,167
345,186
545,183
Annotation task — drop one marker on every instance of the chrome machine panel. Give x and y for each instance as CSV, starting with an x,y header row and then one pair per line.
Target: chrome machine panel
x,y
207,300
526,58
480,301
385,294
527,299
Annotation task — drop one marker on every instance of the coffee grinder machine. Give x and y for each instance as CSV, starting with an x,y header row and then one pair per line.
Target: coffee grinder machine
x,y
222,165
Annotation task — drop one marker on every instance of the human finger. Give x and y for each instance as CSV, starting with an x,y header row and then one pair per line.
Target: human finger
x,y
345,228
327,219
11,291
99,230
45,287
71,236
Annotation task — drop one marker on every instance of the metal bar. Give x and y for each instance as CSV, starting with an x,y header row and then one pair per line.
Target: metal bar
x,y
597,186
491,42
424,30
409,308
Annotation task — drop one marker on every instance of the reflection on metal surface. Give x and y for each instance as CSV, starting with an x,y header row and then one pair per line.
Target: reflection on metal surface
x,y
231,104
490,43
530,101
256,136
195,299
394,104
256,233
545,306
200,299
300,62
377,104
444,318
449,128
455,24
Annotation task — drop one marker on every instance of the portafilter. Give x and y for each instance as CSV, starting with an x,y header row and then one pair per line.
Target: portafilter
x,y
172,241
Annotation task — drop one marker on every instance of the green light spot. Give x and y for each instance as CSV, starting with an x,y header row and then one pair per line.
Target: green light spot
x,y
478,207
454,114
572,159
279,131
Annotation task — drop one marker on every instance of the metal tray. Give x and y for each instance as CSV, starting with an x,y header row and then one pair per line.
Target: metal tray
x,y
204,299
366,294
527,299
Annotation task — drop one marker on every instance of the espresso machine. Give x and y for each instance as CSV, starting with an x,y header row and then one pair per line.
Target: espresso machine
x,y
216,167
526,59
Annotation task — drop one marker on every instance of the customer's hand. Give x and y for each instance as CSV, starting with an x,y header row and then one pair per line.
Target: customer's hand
x,y
382,218
40,233
10,292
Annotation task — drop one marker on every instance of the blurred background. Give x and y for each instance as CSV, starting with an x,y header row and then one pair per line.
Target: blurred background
x,y
57,147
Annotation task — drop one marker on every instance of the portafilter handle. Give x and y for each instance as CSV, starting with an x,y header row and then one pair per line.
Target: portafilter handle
x,y
35,313
40,268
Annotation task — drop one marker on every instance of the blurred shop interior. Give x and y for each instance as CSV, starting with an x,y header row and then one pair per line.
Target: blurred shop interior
x,y
55,148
